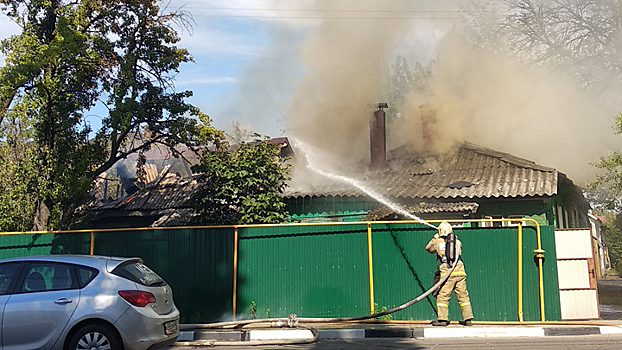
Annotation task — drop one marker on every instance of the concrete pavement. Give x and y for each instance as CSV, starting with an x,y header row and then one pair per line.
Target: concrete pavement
x,y
193,335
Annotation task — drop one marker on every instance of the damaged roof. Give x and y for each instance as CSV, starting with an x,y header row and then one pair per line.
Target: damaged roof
x,y
467,171
170,192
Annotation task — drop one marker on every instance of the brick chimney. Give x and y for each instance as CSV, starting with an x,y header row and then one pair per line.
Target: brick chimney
x,y
429,130
378,142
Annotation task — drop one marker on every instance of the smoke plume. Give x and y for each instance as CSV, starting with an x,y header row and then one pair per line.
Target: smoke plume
x,y
486,97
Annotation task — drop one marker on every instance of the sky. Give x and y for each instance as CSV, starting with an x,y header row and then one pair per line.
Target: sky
x,y
313,70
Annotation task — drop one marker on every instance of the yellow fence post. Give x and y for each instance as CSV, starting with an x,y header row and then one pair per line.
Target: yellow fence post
x,y
520,272
370,269
92,243
235,269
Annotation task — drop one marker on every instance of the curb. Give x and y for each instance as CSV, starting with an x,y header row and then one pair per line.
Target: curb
x,y
398,332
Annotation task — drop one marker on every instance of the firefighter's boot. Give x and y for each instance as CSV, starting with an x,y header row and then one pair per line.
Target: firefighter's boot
x,y
465,322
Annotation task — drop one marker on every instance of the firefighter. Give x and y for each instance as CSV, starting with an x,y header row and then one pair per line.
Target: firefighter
x,y
448,249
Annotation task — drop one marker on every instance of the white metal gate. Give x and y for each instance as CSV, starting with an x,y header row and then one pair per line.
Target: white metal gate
x,y
578,295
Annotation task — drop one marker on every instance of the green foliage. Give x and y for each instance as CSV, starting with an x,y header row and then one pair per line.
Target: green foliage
x,y
252,310
68,56
241,184
606,188
388,317
404,84
612,231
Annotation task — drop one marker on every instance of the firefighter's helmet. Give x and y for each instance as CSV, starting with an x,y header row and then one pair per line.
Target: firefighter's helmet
x,y
444,229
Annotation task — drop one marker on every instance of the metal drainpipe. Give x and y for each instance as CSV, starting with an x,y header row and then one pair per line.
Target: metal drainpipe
x,y
540,256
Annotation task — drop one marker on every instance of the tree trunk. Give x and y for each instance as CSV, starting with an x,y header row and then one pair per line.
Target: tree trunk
x,y
41,217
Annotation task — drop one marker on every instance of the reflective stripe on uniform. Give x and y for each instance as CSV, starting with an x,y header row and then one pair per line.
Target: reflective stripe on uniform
x,y
441,304
455,273
465,303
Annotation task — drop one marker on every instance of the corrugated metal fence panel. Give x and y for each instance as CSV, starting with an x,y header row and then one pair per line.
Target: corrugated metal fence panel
x,y
531,308
24,245
71,243
320,270
579,304
197,263
490,257
573,274
574,244
311,271
403,269
42,244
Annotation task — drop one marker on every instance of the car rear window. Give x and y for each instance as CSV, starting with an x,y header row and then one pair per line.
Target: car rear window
x,y
86,275
139,273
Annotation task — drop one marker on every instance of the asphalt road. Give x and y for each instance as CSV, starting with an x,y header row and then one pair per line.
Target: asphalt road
x,y
600,342
610,299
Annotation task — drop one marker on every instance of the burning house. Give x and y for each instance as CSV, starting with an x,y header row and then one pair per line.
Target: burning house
x,y
466,182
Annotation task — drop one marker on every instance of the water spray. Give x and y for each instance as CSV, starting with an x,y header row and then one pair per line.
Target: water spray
x,y
313,166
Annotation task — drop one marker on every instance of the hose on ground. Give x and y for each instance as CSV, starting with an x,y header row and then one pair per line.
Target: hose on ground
x,y
294,322
211,343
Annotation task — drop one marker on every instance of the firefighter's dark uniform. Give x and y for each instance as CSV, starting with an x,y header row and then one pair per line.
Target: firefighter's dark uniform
x,y
455,282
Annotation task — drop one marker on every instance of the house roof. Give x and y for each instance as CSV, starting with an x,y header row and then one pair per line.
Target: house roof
x,y
468,171
164,193
168,193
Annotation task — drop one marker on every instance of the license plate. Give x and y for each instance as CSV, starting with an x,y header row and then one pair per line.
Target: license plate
x,y
170,327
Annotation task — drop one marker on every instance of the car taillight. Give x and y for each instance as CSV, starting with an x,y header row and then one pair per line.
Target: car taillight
x,y
137,297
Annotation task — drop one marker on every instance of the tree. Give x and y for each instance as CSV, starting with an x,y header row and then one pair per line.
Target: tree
x,y
613,240
583,36
605,194
242,184
404,83
68,56
610,180
239,134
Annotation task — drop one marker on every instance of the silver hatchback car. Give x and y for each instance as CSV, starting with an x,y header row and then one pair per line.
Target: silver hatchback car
x,y
77,302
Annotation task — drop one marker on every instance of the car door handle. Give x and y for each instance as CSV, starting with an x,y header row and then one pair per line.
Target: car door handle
x,y
63,301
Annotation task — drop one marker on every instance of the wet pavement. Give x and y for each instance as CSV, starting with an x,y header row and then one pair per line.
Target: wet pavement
x,y
610,298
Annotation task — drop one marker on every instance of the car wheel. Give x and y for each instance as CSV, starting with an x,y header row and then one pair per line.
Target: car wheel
x,y
95,337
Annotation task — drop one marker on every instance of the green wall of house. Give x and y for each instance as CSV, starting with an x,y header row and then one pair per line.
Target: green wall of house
x,y
345,209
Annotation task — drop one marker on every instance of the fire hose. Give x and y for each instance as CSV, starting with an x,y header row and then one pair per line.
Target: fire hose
x,y
294,322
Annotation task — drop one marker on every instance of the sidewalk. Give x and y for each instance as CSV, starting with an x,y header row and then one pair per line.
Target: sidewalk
x,y
193,336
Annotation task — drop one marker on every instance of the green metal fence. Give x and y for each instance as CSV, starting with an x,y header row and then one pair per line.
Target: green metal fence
x,y
321,270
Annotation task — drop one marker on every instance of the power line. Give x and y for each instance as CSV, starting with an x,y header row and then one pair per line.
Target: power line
x,y
340,11
332,17
322,14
